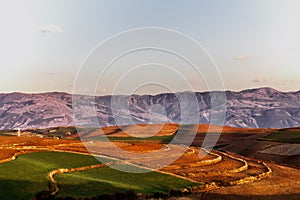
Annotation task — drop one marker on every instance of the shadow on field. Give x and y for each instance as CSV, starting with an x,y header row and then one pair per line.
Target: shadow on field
x,y
87,189
18,189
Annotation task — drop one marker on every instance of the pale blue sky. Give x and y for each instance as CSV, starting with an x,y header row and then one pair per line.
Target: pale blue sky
x,y
254,43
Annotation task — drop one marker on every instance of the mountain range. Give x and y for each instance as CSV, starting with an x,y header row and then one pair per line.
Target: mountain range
x,y
252,108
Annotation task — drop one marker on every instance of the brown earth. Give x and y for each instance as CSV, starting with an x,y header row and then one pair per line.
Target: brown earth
x,y
250,146
203,128
145,130
7,153
283,184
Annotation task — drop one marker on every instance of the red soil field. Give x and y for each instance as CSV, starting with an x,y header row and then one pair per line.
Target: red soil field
x,y
258,179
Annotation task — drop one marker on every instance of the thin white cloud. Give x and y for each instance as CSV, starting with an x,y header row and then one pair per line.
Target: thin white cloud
x,y
241,58
256,80
51,29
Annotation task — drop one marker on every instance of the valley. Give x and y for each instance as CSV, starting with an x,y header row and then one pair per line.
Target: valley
x,y
65,166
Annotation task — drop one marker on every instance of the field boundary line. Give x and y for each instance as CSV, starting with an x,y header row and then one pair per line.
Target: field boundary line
x,y
70,170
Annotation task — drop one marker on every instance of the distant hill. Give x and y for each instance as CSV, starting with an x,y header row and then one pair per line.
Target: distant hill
x,y
253,108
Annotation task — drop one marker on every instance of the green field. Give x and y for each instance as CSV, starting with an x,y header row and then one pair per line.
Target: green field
x,y
283,136
27,175
163,139
108,181
24,177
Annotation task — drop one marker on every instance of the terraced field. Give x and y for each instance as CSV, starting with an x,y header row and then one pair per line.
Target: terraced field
x,y
217,168
108,181
131,131
228,170
24,177
70,169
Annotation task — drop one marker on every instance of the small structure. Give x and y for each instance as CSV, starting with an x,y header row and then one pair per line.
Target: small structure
x,y
19,132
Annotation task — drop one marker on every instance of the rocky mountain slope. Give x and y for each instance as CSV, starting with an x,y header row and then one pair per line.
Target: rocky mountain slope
x,y
262,107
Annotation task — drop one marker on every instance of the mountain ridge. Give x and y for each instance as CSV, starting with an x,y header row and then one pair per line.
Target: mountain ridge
x,y
228,90
251,108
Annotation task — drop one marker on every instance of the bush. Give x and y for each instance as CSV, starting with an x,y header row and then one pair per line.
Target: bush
x,y
175,193
43,195
158,195
129,195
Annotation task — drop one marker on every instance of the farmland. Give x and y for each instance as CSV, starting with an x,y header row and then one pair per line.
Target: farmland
x,y
108,181
24,177
285,135
65,166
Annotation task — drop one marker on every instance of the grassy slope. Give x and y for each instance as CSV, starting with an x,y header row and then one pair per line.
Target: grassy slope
x,y
24,177
283,136
107,180
27,175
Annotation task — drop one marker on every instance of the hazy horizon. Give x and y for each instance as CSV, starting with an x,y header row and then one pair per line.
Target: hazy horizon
x,y
45,92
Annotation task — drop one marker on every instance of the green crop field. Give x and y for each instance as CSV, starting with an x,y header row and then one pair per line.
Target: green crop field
x,y
24,177
133,139
283,136
108,181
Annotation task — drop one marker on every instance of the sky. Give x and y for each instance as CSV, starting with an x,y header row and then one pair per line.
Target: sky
x,y
250,43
